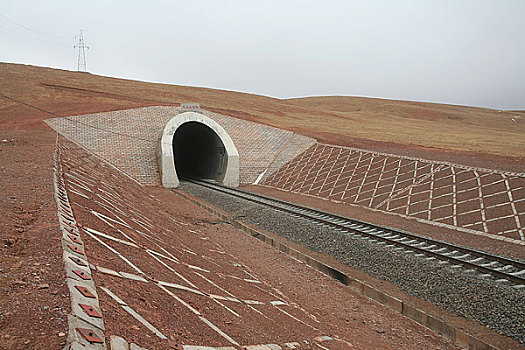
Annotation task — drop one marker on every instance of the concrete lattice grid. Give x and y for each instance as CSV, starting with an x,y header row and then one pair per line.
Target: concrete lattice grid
x,y
206,295
480,201
128,140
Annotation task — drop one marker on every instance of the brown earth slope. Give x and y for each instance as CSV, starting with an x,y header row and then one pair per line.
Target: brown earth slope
x,y
33,298
468,135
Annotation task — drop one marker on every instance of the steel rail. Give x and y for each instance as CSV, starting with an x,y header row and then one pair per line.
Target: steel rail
x,y
512,270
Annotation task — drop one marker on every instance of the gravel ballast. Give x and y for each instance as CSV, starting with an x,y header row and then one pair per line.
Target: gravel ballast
x,y
498,306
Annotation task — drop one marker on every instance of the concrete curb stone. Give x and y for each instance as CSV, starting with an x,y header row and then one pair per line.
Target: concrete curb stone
x,y
76,265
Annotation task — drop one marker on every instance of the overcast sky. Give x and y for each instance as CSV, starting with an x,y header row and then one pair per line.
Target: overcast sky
x,y
469,52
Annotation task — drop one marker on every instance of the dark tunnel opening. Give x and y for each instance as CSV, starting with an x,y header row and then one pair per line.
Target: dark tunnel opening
x,y
198,152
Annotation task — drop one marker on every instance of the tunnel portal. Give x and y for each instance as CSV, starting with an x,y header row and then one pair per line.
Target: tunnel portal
x,y
198,152
195,146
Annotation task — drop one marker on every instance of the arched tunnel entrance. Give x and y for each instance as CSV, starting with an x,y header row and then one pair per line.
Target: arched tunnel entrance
x,y
195,146
198,152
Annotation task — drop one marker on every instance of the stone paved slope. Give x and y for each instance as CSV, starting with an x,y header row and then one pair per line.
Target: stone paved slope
x,y
479,201
128,140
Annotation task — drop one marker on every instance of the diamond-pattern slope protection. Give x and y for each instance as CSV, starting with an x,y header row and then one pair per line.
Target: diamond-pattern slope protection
x,y
164,280
480,201
128,139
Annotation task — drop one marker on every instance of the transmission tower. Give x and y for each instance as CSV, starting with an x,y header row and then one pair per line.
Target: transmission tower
x,y
81,53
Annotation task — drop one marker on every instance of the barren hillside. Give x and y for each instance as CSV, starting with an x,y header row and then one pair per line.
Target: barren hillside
x,y
476,136
35,305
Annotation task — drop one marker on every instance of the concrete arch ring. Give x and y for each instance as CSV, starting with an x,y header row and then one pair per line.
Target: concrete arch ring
x,y
166,158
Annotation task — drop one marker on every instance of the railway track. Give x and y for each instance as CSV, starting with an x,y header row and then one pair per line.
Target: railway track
x,y
503,269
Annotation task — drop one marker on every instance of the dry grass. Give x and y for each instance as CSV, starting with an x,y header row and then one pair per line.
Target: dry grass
x,y
437,126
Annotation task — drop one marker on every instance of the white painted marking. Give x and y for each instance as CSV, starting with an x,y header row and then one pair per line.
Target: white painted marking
x,y
429,215
78,193
181,287
144,322
231,298
259,178
295,318
322,167
352,175
188,306
189,251
77,183
203,319
172,270
116,252
298,173
216,329
133,277
108,271
199,347
125,235
381,173
514,210
197,268
396,177
301,186
252,281
331,170
112,295
98,233
120,221
235,300
111,204
482,206
175,260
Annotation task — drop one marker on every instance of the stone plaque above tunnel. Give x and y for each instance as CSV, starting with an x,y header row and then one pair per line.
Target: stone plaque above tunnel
x,y
195,146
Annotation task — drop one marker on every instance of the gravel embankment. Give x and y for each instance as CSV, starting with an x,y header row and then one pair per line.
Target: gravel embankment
x,y
497,306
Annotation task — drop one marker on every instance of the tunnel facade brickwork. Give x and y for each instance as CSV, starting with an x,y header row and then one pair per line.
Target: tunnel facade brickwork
x,y
128,140
480,201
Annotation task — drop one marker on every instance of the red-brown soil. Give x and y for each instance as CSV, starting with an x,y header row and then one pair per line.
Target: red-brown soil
x,y
34,300
319,305
470,158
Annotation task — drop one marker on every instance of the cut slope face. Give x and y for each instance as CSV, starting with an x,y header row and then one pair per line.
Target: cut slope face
x,y
166,273
479,201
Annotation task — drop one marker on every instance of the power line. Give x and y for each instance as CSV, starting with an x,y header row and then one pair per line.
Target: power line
x,y
27,104
81,67
80,122
42,35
